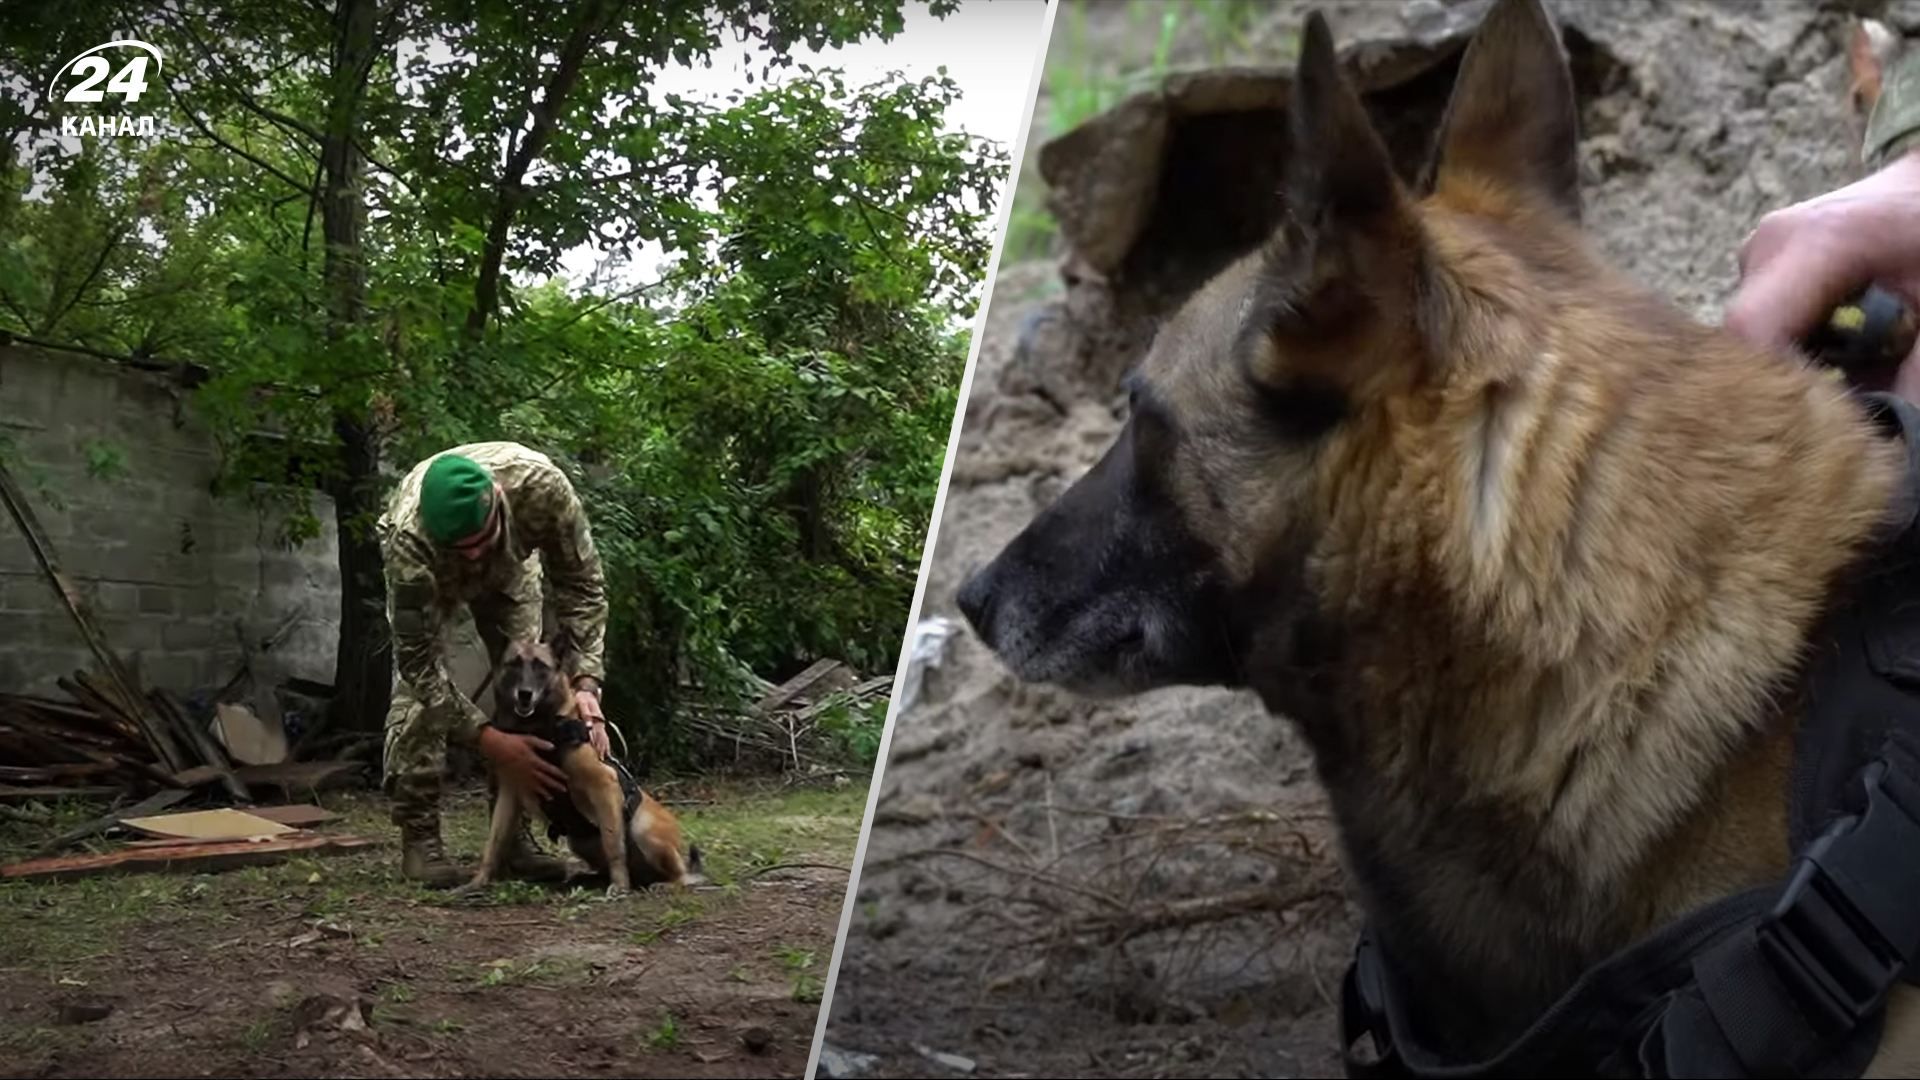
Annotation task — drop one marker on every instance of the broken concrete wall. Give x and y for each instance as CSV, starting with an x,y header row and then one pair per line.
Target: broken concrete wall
x,y
1162,191
119,474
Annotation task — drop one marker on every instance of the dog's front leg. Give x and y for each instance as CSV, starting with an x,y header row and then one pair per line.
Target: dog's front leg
x,y
592,780
506,821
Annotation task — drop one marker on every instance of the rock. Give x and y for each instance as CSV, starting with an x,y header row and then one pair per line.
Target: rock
x,y
756,1039
85,1011
837,1064
914,810
964,1066
324,1012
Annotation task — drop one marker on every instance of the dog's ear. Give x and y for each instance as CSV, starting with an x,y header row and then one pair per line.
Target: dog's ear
x,y
1512,117
562,648
1348,241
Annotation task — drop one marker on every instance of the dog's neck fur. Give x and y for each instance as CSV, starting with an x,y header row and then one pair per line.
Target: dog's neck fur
x,y
1568,636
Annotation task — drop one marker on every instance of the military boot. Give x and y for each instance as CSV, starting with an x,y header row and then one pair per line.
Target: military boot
x,y
423,857
528,863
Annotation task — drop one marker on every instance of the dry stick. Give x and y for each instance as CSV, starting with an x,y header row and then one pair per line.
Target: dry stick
x,y
103,715
794,866
1053,833
153,804
1208,909
202,743
1011,871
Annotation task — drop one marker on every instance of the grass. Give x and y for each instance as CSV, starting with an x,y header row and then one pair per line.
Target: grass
x,y
738,836
666,1036
807,987
63,935
1085,78
58,927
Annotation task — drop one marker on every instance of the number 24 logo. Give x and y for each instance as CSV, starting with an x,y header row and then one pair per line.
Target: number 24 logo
x,y
129,82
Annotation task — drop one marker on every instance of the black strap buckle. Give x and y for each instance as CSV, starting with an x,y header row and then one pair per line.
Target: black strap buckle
x,y
1847,926
1363,1017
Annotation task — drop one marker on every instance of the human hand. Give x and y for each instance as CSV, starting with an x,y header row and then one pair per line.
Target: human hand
x,y
517,760
596,724
1803,261
587,702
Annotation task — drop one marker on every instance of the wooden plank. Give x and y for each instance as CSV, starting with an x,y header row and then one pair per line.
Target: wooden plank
x,y
299,815
121,693
65,734
10,793
198,776
183,858
152,804
796,686
202,743
46,773
104,715
152,733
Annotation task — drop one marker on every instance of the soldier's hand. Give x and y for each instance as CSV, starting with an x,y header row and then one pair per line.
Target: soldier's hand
x,y
1804,260
588,703
518,761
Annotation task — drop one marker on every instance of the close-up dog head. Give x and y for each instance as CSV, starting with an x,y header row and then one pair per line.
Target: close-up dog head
x,y
530,679
1183,556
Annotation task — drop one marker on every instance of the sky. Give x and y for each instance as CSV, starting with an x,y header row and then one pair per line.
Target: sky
x,y
987,46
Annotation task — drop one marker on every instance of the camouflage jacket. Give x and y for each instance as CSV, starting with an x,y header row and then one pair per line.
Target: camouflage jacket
x,y
1894,126
426,586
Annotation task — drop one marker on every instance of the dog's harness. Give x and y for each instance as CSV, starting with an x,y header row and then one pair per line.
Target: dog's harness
x,y
563,817
1790,979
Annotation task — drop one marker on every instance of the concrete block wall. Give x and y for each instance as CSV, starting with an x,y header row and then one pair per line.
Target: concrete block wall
x,y
173,574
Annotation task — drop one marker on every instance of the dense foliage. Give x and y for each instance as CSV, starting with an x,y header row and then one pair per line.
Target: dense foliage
x,y
354,226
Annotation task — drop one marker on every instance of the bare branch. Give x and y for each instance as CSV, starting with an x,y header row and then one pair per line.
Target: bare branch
x,y
211,134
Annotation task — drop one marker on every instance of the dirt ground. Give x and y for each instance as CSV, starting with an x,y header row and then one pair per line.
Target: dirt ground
x,y
1056,887
333,966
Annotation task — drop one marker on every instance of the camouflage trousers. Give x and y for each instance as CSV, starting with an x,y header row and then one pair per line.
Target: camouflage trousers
x,y
417,737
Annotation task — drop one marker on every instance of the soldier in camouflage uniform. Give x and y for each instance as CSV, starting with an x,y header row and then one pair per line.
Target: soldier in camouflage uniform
x,y
476,526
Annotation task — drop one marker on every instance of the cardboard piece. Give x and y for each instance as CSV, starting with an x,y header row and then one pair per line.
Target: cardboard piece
x,y
208,825
249,739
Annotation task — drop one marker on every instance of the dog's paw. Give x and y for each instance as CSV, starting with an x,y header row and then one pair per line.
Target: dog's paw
x,y
617,891
472,890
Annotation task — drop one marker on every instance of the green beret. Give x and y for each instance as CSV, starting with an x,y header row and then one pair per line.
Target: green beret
x,y
454,498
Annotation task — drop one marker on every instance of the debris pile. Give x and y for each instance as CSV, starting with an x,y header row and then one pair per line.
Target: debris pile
x,y
796,724
108,739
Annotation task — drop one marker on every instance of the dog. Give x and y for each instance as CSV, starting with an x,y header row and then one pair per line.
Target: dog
x,y
1528,556
608,821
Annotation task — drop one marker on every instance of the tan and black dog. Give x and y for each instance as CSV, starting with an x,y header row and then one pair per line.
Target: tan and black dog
x,y
612,825
1530,557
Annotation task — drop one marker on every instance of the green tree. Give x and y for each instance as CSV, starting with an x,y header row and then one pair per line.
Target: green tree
x,y
759,432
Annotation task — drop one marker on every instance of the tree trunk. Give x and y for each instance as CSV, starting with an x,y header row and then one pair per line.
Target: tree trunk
x,y
363,673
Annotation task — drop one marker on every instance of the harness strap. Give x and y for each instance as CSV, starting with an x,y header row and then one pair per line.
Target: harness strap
x,y
1801,992
1772,982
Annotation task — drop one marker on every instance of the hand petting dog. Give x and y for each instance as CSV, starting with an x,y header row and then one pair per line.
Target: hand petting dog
x,y
517,760
587,700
